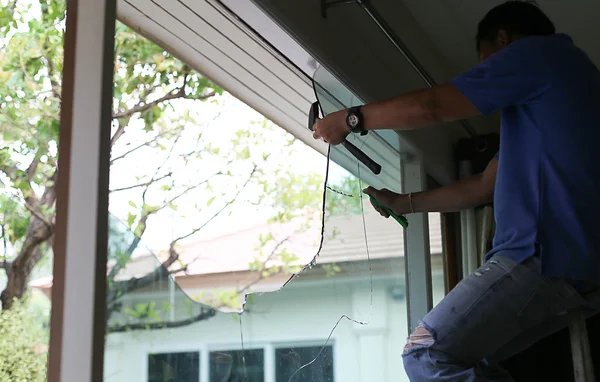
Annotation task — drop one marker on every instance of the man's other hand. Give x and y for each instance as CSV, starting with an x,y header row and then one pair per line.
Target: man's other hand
x,y
398,203
332,129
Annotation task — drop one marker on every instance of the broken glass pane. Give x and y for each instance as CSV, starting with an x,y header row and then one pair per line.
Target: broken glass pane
x,y
351,299
288,360
237,365
181,367
203,276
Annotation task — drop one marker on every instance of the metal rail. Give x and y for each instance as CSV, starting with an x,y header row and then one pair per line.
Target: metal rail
x,y
396,41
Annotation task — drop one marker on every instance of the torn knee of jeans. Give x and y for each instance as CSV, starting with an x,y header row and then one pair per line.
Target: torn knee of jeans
x,y
421,338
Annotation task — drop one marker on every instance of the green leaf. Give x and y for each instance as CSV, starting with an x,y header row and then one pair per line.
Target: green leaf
x,y
131,219
148,209
22,328
210,201
245,153
132,204
154,316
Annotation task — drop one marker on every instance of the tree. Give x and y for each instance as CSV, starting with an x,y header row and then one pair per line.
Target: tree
x,y
22,356
151,87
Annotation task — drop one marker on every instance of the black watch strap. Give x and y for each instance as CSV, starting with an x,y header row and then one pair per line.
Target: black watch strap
x,y
355,121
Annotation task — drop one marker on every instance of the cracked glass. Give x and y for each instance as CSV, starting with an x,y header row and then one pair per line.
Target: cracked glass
x,y
246,255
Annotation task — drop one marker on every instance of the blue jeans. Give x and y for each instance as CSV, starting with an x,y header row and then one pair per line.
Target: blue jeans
x,y
496,312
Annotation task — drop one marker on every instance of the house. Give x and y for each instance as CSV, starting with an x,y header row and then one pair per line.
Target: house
x,y
345,315
265,52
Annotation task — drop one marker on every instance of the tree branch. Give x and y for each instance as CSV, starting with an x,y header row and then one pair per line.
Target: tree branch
x,y
10,171
112,160
121,287
39,215
31,169
31,131
190,188
141,226
173,94
117,134
20,269
55,86
6,265
126,286
30,252
148,183
143,106
264,268
205,314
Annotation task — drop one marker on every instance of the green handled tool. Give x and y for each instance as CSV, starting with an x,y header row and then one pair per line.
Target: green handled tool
x,y
400,219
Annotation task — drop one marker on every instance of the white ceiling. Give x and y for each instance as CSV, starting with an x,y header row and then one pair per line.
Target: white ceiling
x,y
439,33
451,24
213,42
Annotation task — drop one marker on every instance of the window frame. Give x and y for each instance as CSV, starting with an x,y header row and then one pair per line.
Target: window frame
x,y
303,344
204,350
147,363
179,347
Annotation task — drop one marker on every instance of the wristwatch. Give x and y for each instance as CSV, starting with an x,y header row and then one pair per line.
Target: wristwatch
x,y
354,120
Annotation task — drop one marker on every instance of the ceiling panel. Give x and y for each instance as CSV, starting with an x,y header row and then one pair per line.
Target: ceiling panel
x,y
351,45
210,40
451,25
440,34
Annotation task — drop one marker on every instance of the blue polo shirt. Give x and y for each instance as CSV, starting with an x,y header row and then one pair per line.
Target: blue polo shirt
x,y
547,196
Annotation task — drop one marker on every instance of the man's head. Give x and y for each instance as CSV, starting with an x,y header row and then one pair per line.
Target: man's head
x,y
508,22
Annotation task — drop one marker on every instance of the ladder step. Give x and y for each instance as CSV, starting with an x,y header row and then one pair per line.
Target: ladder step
x,y
583,366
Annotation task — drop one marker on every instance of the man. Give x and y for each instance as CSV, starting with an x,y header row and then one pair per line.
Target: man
x,y
545,184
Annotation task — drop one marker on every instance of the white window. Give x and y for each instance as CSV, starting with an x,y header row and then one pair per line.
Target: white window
x,y
237,365
174,367
289,359
249,365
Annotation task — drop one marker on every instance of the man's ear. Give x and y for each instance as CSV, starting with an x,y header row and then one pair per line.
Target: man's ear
x,y
503,38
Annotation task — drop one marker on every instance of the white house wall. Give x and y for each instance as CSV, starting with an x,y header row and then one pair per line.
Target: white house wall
x,y
299,315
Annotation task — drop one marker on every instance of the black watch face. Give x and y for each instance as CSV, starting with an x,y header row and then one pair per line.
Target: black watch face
x,y
352,120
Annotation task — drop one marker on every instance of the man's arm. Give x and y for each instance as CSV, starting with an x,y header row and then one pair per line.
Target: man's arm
x,y
443,103
512,76
515,75
463,194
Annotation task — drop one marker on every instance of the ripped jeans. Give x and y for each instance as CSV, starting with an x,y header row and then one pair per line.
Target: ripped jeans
x,y
496,312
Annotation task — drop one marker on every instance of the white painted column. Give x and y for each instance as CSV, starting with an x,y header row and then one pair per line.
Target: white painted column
x,y
417,255
77,324
204,364
468,226
269,363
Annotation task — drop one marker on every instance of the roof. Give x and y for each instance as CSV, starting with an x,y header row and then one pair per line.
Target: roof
x,y
344,242
233,253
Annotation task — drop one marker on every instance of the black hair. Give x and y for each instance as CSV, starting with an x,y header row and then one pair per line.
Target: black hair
x,y
523,18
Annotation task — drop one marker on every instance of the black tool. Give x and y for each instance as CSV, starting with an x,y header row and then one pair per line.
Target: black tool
x,y
313,117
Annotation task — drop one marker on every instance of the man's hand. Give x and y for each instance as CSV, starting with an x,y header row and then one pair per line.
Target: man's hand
x,y
332,128
398,203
